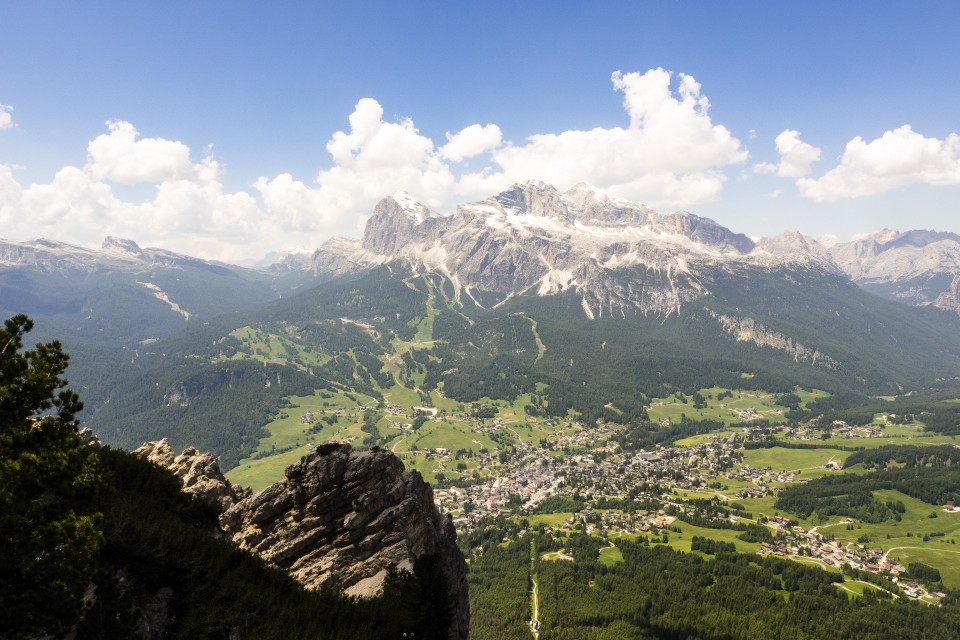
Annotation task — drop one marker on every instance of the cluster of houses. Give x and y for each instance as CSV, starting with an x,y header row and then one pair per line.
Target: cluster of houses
x,y
586,464
616,522
838,429
795,541
525,486
599,473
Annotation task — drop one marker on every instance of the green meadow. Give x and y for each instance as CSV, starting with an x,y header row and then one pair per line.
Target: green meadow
x,y
782,459
943,557
729,410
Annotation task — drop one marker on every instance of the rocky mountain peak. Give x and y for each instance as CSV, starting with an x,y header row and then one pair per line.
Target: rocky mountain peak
x,y
534,238
46,255
534,198
794,243
121,248
705,231
883,236
592,206
409,205
395,222
866,246
919,267
586,189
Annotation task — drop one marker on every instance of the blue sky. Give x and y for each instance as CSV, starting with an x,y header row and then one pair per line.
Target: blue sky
x,y
223,114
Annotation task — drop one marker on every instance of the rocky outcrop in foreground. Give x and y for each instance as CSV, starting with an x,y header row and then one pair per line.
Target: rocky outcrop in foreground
x,y
339,520
199,473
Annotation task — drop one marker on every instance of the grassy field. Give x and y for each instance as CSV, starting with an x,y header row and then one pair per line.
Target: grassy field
x,y
945,558
555,520
782,459
452,435
258,474
289,435
402,396
856,588
915,523
693,441
817,563
729,410
853,588
761,506
419,462
269,347
896,434
681,541
732,485
610,556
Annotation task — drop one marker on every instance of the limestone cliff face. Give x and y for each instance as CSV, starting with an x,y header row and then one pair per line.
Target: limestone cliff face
x,y
950,297
339,520
749,330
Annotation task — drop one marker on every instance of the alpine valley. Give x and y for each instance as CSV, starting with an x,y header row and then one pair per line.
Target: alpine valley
x,y
642,425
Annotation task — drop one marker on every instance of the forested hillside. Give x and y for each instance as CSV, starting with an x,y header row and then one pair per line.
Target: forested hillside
x,y
656,592
365,332
102,544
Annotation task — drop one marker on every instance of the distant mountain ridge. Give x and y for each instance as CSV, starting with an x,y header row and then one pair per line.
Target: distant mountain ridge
x,y
535,239
107,305
532,238
622,256
159,338
86,291
918,267
49,256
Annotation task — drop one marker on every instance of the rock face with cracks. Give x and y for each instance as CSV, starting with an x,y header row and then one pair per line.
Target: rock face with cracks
x,y
199,473
339,520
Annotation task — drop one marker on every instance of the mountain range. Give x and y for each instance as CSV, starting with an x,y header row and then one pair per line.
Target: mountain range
x,y
535,239
575,307
530,238
592,301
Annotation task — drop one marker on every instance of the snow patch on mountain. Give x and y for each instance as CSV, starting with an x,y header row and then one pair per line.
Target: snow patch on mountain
x,y
416,211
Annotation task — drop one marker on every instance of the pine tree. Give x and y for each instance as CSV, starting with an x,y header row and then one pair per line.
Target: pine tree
x,y
49,533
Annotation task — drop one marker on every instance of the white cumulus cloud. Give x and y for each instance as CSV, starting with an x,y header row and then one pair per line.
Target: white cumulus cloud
x,y
670,154
189,206
121,156
471,141
898,158
76,207
6,116
374,159
292,204
796,156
